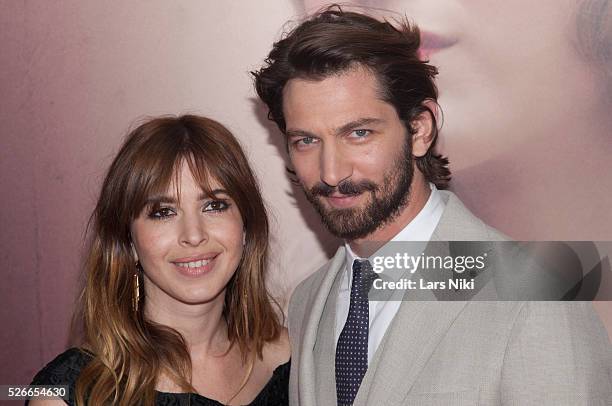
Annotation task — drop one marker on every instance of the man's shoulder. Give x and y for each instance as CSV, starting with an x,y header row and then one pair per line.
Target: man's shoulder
x,y
459,223
311,284
306,291
304,294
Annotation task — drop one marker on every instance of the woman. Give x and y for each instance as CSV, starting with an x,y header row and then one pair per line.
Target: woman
x,y
175,308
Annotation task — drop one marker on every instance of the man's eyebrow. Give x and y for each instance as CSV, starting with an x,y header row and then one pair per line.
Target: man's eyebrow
x,y
299,133
348,127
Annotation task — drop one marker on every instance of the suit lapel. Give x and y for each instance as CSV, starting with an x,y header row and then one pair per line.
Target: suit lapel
x,y
324,349
310,329
421,322
414,334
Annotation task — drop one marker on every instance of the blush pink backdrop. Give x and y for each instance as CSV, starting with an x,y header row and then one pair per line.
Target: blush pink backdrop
x,y
74,77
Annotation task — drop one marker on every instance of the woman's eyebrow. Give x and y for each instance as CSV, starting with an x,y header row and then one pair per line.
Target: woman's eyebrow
x,y
159,199
213,192
155,200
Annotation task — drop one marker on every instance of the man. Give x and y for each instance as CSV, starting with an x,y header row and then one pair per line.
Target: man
x,y
358,110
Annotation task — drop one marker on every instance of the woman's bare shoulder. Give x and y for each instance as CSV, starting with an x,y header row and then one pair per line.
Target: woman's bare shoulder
x,y
278,352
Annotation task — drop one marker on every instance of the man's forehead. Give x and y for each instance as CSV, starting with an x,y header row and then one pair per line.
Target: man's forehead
x,y
353,78
334,100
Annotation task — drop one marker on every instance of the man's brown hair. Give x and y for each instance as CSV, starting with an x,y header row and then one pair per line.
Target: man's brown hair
x,y
333,41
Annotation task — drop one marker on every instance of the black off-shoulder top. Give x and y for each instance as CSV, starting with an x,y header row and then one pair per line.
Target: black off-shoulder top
x,y
66,367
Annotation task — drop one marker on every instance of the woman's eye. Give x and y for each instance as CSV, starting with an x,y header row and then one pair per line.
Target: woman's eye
x,y
217,205
162,213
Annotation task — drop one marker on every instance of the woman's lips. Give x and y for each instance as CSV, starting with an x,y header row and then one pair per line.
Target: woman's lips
x,y
195,267
432,43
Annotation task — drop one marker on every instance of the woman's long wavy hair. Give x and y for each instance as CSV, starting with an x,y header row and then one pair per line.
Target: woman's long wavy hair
x,y
129,351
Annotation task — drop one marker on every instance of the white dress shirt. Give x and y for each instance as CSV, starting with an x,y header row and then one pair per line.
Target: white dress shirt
x,y
381,313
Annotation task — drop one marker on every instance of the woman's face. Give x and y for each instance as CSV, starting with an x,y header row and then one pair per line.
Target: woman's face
x,y
189,246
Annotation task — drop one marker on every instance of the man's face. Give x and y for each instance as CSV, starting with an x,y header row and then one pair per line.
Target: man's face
x,y
349,150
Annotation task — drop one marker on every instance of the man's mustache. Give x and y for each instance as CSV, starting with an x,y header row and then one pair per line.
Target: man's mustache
x,y
346,187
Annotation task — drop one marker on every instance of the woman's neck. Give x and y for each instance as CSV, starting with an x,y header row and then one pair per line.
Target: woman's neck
x,y
202,326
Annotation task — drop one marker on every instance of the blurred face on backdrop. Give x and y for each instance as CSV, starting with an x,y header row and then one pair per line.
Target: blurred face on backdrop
x,y
349,150
520,101
505,68
189,245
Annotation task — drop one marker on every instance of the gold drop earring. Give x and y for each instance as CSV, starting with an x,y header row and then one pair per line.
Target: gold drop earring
x,y
136,286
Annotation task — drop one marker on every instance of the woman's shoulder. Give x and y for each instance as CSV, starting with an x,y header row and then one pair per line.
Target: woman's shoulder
x,y
276,360
63,369
277,352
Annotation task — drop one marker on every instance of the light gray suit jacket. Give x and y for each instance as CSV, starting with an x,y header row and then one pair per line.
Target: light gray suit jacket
x,y
455,353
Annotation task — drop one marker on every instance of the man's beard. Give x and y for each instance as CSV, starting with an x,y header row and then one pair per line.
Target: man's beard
x,y
386,200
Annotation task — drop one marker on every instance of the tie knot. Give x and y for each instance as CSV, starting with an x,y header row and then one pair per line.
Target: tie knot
x,y
361,265
363,276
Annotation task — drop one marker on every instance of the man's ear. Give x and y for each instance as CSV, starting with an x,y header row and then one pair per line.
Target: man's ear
x,y
424,129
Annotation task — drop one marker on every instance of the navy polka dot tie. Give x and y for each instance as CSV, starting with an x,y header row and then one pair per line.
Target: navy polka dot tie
x,y
352,348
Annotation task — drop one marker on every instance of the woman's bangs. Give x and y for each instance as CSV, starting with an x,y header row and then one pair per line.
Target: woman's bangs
x,y
156,181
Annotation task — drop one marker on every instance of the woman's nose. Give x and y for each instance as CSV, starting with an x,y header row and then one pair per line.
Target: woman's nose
x,y
193,231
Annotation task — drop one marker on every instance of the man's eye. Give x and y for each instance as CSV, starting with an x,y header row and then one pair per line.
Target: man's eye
x,y
361,133
304,141
162,213
217,205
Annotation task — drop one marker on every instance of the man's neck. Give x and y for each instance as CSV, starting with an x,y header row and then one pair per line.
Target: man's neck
x,y
419,194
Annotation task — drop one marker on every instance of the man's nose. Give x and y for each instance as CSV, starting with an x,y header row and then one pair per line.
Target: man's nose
x,y
193,231
335,167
